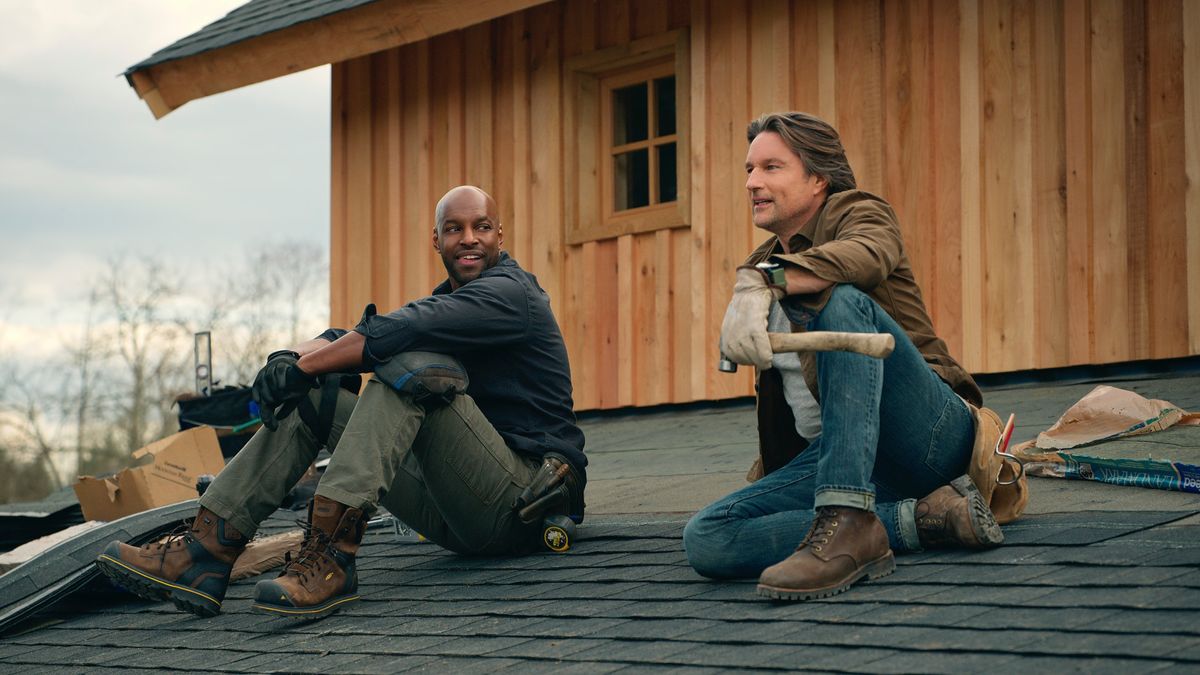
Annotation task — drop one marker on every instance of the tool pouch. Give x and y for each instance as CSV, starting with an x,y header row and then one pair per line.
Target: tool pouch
x,y
554,499
430,378
1006,492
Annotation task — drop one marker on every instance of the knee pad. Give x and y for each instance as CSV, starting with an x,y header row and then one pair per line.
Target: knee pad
x,y
428,377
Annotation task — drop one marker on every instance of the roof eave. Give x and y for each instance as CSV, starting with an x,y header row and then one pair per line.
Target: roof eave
x,y
345,35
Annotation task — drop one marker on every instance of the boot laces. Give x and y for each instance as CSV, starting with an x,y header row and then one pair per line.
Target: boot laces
x,y
313,553
824,523
182,534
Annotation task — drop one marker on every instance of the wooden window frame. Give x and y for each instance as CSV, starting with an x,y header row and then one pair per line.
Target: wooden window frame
x,y
589,79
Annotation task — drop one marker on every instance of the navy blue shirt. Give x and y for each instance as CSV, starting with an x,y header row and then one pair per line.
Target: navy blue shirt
x,y
500,326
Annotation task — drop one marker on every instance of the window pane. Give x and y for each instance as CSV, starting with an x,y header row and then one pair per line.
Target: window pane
x,y
664,105
667,191
631,114
631,184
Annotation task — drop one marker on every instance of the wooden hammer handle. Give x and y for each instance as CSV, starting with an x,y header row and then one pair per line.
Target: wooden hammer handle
x,y
878,345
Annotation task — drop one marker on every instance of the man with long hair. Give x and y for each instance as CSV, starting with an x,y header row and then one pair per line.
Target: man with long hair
x,y
862,456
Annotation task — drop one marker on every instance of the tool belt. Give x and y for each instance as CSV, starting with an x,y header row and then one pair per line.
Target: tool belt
x,y
553,498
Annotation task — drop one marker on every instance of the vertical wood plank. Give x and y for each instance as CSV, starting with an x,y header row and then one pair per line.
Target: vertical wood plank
x,y
381,254
503,116
602,262
338,227
1021,261
1191,143
1051,301
359,143
420,264
697,251
520,159
805,68
771,66
659,358
1111,268
859,65
685,324
648,18
827,60
1077,61
972,226
1166,200
625,356
1000,322
946,302
545,187
478,137
1134,26
393,231
612,23
908,147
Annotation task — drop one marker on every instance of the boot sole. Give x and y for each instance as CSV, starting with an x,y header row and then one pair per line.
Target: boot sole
x,y
316,612
983,523
151,587
875,569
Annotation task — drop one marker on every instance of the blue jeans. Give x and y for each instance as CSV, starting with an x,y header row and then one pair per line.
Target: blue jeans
x,y
892,432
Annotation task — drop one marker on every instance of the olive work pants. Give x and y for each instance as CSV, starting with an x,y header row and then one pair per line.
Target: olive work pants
x,y
444,471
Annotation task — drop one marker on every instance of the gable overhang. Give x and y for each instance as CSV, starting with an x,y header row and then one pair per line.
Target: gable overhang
x,y
344,35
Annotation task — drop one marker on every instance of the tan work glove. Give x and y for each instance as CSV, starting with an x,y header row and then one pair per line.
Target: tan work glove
x,y
744,330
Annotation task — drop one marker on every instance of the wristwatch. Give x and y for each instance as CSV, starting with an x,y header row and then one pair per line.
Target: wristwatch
x,y
774,274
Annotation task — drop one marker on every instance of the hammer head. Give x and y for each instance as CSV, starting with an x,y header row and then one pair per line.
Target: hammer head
x,y
726,366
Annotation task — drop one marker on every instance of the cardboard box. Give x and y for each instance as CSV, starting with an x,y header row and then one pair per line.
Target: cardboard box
x,y
166,474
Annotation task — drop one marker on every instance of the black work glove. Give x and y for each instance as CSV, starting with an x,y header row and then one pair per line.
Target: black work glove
x,y
280,384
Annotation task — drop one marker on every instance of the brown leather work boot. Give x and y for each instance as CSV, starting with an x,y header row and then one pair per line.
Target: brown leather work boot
x,y
322,577
842,546
191,568
956,515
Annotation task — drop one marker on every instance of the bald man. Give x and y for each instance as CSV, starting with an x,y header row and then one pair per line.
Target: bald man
x,y
452,465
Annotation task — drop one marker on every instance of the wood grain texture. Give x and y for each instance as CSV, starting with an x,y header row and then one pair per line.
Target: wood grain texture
x,y
1110,272
1133,24
1050,243
972,226
1191,144
1042,157
1166,268
1077,62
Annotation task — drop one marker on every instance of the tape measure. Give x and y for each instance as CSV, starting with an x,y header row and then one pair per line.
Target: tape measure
x,y
557,532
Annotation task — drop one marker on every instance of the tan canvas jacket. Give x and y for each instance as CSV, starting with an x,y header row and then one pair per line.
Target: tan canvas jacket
x,y
854,239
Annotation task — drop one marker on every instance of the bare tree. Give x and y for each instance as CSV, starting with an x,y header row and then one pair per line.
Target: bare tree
x,y
145,340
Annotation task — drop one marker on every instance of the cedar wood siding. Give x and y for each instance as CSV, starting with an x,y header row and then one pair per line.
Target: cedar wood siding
x,y
1043,156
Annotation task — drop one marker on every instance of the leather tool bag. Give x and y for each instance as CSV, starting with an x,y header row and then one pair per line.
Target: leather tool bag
x,y
990,471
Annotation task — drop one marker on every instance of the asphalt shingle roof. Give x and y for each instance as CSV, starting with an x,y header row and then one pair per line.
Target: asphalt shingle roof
x,y
255,18
1102,591
1096,578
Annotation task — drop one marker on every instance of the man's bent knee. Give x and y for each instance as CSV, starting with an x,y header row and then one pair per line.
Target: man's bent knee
x,y
706,542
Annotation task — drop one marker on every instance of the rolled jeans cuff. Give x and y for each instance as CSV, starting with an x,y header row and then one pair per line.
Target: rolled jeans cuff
x,y
906,525
855,499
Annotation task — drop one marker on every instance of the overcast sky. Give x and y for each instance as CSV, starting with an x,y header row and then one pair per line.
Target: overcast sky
x,y
86,172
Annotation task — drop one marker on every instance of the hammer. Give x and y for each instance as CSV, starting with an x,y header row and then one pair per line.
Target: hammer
x,y
878,345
